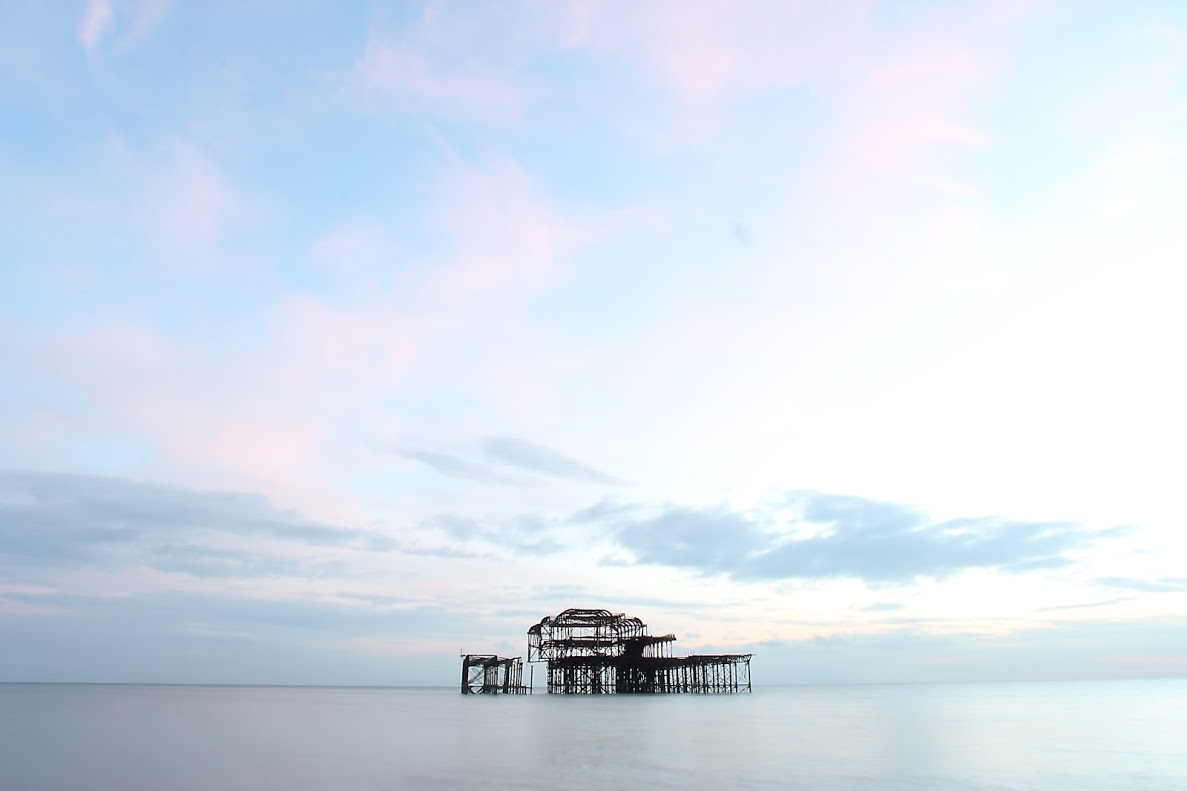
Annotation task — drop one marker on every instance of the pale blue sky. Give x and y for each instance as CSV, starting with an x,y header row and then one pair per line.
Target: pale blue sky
x,y
337,337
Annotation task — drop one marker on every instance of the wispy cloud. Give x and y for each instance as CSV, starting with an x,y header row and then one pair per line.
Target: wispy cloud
x,y
191,204
456,467
1152,585
526,456
413,81
712,51
129,21
353,247
508,234
886,606
507,460
602,511
1082,606
96,21
526,535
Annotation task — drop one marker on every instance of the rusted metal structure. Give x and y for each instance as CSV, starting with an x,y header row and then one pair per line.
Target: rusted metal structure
x,y
596,652
487,674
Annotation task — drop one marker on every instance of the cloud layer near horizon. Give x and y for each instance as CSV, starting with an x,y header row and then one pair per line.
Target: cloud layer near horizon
x,y
849,536
55,519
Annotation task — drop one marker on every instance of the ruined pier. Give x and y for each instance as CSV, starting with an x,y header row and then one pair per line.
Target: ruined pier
x,y
597,652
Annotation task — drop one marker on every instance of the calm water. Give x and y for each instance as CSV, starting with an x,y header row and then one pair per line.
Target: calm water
x,y
1075,735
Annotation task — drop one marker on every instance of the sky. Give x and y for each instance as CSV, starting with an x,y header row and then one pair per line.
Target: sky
x,y
339,338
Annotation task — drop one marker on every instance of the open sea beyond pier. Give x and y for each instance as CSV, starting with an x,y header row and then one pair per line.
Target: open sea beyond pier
x,y
1037,735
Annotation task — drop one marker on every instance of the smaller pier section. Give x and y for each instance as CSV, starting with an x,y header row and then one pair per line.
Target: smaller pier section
x,y
487,674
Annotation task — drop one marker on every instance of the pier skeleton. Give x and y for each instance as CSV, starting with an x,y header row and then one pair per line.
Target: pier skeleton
x,y
598,652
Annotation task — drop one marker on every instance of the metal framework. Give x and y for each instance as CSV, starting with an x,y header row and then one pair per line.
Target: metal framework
x,y
487,674
594,652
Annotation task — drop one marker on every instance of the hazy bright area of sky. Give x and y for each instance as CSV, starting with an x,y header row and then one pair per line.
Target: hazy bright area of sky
x,y
336,338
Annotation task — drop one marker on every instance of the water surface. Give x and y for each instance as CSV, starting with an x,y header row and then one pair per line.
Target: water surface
x,y
1071,735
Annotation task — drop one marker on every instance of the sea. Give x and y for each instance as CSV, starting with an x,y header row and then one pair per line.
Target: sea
x,y
1038,735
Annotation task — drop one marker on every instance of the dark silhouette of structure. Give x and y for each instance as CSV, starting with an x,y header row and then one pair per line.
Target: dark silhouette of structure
x,y
487,674
596,652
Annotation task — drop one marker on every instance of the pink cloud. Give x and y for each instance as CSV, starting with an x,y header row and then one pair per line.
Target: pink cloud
x,y
899,90
912,100
289,400
709,50
355,247
96,21
173,197
891,142
26,605
506,236
136,19
415,80
191,203
220,418
27,590
146,15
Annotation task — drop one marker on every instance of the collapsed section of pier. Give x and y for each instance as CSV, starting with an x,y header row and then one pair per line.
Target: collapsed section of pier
x,y
487,674
596,652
